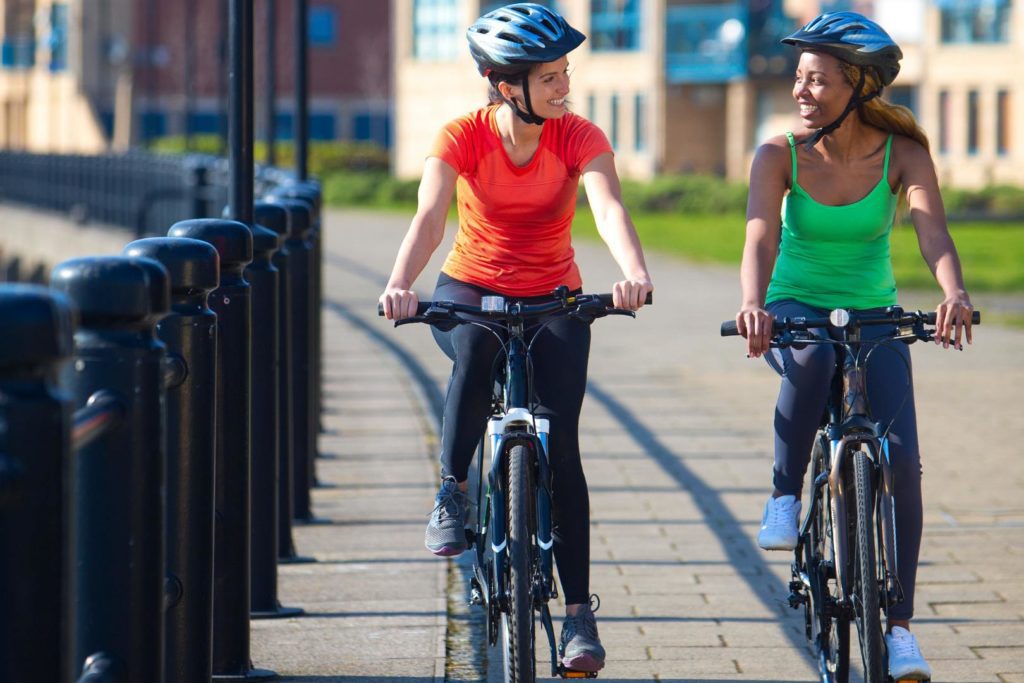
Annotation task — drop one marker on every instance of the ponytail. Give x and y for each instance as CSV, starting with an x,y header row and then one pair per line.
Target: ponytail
x,y
892,118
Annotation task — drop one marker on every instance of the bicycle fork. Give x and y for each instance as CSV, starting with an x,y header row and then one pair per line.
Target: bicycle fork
x,y
505,432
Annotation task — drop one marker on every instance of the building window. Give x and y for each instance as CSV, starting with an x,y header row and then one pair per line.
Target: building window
x,y
58,36
974,21
323,26
943,121
435,28
614,25
640,122
1003,123
19,52
903,95
972,122
372,127
707,43
205,123
153,124
322,127
614,132
319,126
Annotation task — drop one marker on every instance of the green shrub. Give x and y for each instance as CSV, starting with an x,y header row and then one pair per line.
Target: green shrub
x,y
684,194
324,156
368,189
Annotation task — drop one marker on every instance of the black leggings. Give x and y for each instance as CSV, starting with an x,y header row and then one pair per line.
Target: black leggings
x,y
806,380
560,355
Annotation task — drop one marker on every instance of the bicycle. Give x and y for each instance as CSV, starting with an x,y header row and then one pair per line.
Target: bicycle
x,y
511,535
844,566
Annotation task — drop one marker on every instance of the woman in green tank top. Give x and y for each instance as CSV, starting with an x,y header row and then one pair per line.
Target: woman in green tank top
x,y
835,187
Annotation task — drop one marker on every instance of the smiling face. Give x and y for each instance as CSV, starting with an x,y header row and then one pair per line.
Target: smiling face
x,y
820,89
549,88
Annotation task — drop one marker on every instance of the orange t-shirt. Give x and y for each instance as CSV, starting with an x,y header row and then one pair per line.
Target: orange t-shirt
x,y
515,221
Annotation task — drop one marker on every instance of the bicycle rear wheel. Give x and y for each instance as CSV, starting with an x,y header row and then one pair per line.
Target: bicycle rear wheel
x,y
518,624
865,592
830,629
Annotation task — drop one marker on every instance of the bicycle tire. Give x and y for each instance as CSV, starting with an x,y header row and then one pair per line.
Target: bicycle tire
x,y
520,661
867,612
830,634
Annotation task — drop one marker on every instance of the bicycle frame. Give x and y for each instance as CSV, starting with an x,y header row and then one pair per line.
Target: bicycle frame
x,y
850,428
514,424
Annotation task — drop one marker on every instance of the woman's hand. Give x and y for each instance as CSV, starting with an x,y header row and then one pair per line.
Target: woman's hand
x,y
953,319
631,294
755,323
399,303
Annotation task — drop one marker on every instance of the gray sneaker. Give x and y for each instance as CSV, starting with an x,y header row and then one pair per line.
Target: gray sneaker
x,y
446,530
580,646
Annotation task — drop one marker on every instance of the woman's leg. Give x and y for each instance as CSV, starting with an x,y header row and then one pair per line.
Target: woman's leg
x,y
806,380
560,355
467,404
891,397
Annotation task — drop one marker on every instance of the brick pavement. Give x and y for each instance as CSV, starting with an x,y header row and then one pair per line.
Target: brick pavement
x,y
676,436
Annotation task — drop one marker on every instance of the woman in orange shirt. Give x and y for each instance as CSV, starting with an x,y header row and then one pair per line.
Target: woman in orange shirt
x,y
516,166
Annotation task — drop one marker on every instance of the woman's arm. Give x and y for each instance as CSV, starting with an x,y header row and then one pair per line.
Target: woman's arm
x,y
768,181
953,315
616,229
425,233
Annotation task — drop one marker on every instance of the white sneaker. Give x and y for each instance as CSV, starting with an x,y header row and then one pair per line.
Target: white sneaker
x,y
779,526
905,659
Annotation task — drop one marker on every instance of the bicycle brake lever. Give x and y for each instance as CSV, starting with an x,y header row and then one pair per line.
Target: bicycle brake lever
x,y
411,319
620,311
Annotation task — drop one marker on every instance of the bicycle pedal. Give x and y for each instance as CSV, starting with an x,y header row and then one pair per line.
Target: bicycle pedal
x,y
572,673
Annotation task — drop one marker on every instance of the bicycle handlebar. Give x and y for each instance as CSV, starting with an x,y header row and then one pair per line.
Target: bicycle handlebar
x,y
524,310
892,316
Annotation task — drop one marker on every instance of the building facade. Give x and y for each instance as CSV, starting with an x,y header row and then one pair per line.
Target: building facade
x,y
87,75
695,85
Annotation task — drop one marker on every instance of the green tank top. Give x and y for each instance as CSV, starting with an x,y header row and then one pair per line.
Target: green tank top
x,y
836,256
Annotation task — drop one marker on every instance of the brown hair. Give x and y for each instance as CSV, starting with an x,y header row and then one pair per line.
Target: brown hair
x,y
892,118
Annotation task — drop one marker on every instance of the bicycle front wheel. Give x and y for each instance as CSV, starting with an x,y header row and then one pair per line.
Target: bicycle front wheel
x,y
866,608
829,627
518,624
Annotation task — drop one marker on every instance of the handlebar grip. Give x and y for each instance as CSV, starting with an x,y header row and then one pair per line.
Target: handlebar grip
x,y
609,299
421,308
729,329
975,318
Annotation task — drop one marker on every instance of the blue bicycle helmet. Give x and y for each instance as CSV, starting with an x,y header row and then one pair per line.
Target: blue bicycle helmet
x,y
511,38
854,39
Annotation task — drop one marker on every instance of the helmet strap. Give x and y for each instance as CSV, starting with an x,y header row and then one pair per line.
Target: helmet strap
x,y
856,102
527,116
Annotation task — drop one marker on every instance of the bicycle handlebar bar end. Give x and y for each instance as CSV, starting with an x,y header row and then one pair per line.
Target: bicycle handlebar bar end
x,y
729,329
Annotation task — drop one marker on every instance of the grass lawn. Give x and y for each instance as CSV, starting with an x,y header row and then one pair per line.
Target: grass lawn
x,y
992,253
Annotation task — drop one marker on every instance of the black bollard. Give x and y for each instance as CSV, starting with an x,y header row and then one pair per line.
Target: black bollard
x,y
309,191
35,468
232,303
118,477
263,277
190,333
304,438
275,217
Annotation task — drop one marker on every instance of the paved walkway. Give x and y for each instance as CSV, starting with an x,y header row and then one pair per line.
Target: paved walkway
x,y
676,436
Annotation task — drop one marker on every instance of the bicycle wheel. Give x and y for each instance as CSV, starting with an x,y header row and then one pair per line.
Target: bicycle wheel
x,y
830,629
518,624
865,592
